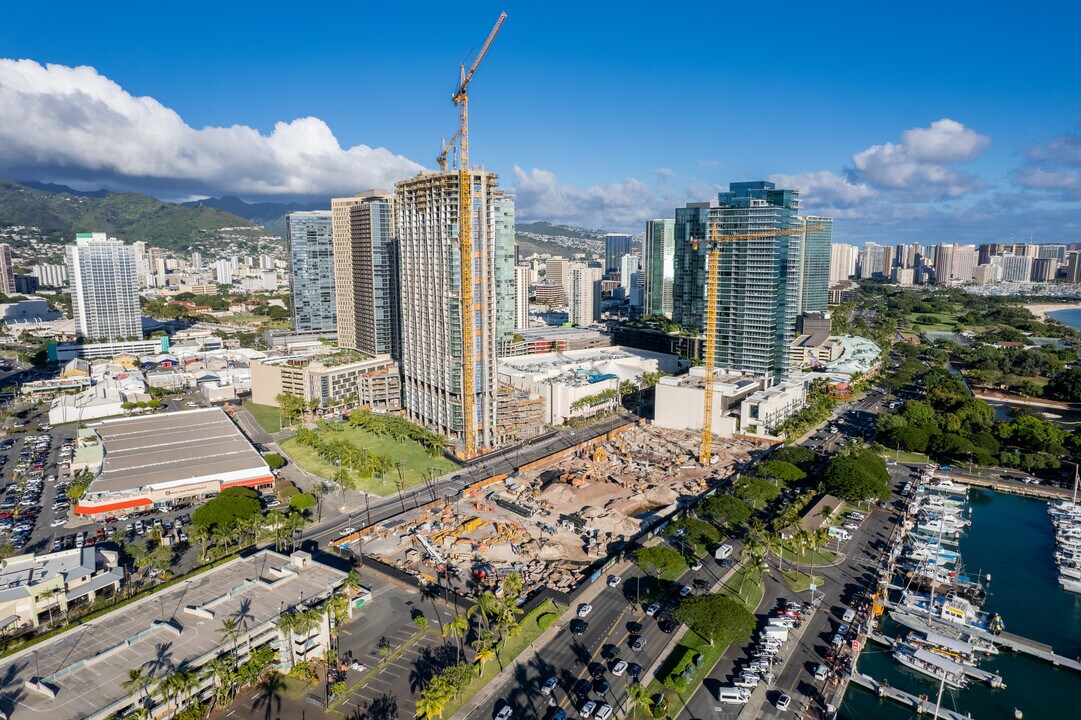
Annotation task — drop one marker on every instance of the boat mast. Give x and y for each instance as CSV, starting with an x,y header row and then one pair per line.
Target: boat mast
x,y
1075,484
941,687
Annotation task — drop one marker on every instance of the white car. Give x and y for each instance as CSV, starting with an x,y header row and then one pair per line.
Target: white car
x,y
59,522
346,531
504,713
549,686
697,565
584,609
684,591
652,609
614,580
604,712
585,711
619,668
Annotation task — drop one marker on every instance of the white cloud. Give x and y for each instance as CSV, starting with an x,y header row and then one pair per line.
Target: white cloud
x,y
625,205
825,189
920,166
1054,169
74,122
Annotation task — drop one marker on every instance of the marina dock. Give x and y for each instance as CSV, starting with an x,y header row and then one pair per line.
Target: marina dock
x,y
917,704
992,679
1006,640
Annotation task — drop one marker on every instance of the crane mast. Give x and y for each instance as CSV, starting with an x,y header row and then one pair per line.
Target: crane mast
x,y
465,240
712,275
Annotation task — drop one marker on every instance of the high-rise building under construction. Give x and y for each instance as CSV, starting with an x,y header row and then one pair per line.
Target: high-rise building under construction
x,y
435,350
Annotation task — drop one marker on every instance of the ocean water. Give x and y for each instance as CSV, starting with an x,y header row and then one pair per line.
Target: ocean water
x,y
1067,317
1010,538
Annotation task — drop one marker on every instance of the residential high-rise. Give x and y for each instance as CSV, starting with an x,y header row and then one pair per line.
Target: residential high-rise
x,y
51,275
104,288
7,271
521,296
1015,268
311,277
503,210
223,272
616,245
872,260
658,266
815,262
1073,267
628,266
556,270
434,347
1044,269
758,291
842,261
584,295
366,272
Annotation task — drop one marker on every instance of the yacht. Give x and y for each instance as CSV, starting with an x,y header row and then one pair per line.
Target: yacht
x,y
931,664
1070,584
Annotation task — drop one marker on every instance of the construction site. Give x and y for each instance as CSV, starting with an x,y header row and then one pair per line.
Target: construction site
x,y
554,518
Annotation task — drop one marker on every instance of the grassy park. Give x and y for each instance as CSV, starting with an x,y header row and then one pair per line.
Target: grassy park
x,y
413,460
268,416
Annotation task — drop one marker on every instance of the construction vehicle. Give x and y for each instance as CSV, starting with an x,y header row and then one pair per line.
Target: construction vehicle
x,y
465,237
712,271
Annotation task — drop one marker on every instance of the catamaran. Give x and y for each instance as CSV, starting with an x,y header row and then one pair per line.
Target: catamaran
x,y
949,648
931,664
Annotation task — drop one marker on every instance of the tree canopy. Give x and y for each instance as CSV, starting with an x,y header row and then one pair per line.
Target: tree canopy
x,y
717,618
857,473
797,455
1066,386
780,470
660,560
725,510
229,509
756,490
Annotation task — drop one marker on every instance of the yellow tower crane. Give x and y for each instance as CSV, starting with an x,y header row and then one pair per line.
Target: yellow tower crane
x,y
711,316
465,238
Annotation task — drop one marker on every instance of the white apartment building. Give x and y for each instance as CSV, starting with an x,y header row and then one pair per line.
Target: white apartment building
x,y
104,289
842,261
521,296
584,295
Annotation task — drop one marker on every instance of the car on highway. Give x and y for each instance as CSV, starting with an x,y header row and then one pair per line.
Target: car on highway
x,y
783,701
697,565
548,686
601,686
584,609
346,531
820,672
604,711
559,714
634,670
684,591
638,643
614,580
668,625
504,713
578,627
619,667
652,609
585,709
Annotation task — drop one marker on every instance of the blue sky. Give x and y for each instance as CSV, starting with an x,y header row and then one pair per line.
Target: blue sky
x,y
909,122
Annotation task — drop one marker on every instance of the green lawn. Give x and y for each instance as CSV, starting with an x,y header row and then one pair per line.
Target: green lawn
x,y
819,557
515,645
415,460
266,415
799,581
295,688
690,641
750,594
904,456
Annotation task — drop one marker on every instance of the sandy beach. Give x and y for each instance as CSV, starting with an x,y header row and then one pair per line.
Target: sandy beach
x,y
1040,311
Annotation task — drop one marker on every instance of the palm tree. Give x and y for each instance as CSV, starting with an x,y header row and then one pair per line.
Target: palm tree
x,y
221,671
137,682
458,627
433,699
230,631
640,698
201,534
185,681
286,624
484,654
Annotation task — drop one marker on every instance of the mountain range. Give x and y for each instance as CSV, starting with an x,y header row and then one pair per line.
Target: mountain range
x,y
60,211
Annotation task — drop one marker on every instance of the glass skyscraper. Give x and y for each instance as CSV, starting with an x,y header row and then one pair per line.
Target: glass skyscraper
x,y
815,258
658,266
616,245
759,288
311,280
503,208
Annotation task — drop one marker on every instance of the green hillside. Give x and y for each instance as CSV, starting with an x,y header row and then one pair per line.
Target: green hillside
x,y
128,216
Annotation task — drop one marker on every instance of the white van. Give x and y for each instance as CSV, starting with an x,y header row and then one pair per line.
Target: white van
x,y
732,694
840,534
848,615
775,632
723,552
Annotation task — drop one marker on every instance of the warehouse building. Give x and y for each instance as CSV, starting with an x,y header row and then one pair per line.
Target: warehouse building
x,y
161,460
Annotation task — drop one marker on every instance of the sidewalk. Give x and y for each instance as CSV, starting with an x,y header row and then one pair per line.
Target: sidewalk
x,y
496,683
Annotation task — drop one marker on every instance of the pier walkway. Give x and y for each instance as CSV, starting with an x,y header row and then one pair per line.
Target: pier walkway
x,y
917,704
1006,640
992,679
